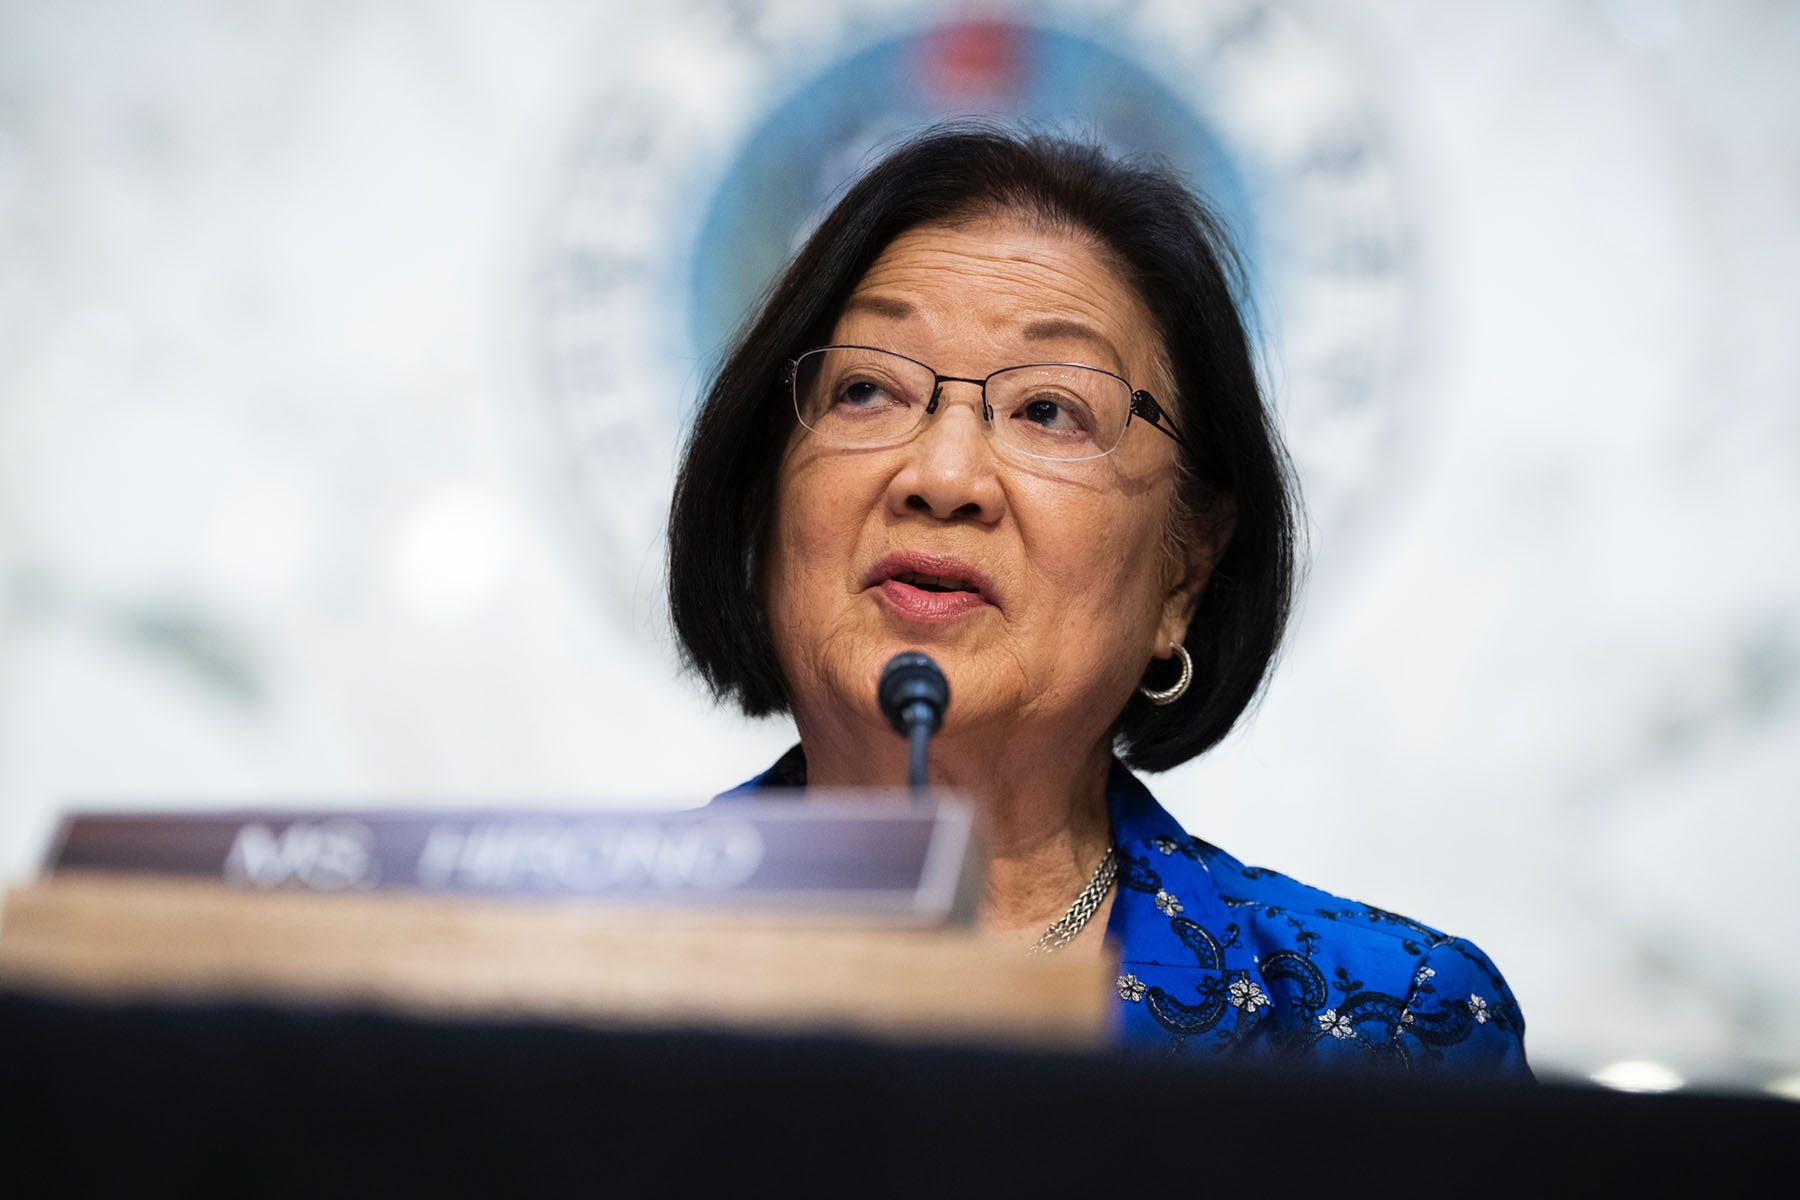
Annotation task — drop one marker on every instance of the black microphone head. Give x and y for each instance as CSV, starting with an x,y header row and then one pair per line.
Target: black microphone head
x,y
910,684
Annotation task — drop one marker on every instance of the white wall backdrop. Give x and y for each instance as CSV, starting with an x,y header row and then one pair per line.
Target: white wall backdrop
x,y
295,501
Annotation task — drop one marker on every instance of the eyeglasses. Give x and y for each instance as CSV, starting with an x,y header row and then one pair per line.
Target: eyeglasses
x,y
862,397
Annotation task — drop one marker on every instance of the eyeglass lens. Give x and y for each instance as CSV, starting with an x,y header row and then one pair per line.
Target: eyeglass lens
x,y
868,398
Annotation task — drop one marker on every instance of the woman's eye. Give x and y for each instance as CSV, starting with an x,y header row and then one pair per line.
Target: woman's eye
x,y
862,393
1051,414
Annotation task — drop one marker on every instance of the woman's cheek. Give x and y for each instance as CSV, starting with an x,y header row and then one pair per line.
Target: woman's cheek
x,y
815,539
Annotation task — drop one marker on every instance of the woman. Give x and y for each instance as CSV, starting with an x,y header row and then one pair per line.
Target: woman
x,y
1002,408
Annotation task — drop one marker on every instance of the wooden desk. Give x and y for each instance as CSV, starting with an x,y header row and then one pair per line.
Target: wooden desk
x,y
122,936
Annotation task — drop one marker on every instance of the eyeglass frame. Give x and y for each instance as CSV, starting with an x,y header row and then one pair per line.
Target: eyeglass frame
x,y
1143,404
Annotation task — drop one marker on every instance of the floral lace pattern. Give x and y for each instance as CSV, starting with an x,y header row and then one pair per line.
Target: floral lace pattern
x,y
1229,960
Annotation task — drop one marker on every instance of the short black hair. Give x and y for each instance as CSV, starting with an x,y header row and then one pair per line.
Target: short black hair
x,y
1170,248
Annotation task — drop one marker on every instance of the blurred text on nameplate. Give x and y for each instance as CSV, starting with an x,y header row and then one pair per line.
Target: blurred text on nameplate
x,y
876,855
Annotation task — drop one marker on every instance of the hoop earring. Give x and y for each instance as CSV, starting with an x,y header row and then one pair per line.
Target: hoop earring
x,y
1170,695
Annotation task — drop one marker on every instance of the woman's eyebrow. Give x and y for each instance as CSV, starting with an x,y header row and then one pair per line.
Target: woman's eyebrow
x,y
1045,329
1040,329
881,306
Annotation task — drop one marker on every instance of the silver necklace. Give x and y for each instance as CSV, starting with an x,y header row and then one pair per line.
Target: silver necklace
x,y
1062,931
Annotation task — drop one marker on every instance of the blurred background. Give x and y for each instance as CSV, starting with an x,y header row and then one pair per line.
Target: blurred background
x,y
345,350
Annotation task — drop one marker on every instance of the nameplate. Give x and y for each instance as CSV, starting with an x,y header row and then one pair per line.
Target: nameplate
x,y
879,857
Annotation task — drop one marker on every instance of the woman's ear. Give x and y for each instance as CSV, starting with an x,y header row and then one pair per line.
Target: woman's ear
x,y
1195,551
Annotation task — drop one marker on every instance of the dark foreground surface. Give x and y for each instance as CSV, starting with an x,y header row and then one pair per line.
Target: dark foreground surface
x,y
264,1101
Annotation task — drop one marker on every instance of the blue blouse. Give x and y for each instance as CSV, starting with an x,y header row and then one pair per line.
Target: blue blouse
x,y
1219,959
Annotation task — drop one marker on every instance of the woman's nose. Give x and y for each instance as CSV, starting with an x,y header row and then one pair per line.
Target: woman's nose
x,y
949,470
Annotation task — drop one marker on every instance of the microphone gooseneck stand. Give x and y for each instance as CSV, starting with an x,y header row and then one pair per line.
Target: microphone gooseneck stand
x,y
914,694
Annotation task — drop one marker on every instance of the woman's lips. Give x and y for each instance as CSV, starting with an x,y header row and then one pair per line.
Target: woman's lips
x,y
923,605
930,587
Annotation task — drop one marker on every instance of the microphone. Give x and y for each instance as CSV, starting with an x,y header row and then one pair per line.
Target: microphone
x,y
914,694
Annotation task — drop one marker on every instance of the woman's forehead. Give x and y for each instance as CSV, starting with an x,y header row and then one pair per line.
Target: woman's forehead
x,y
1012,283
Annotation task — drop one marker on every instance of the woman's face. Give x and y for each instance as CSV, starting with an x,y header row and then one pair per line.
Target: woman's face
x,y
1074,590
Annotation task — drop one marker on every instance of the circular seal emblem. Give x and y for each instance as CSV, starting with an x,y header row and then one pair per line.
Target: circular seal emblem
x,y
686,191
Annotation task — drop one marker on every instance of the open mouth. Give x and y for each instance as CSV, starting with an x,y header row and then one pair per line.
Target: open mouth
x,y
931,587
935,583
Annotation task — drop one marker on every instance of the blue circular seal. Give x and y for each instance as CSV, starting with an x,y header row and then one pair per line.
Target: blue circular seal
x,y
707,159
